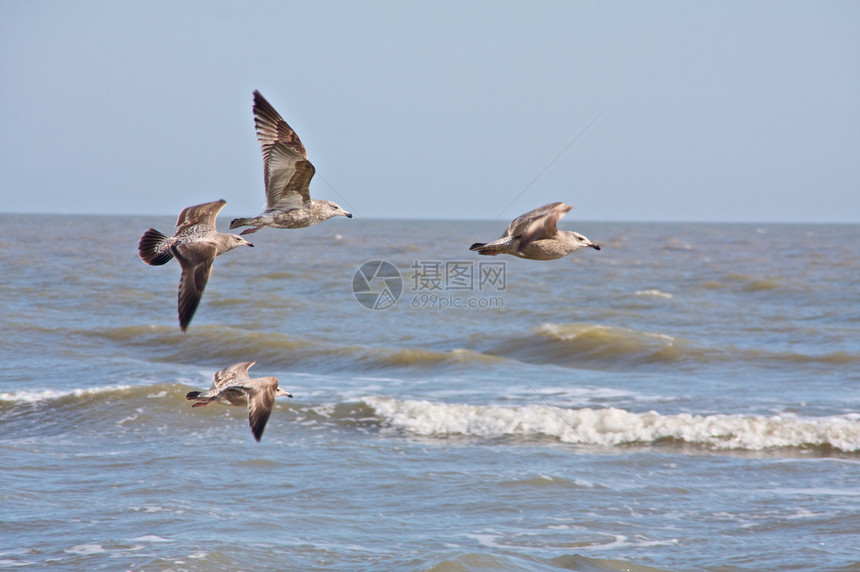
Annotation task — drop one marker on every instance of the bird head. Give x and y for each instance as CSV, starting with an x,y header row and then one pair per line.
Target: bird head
x,y
236,241
582,240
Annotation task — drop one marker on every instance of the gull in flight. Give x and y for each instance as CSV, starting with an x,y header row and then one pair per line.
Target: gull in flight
x,y
195,245
287,174
535,236
233,386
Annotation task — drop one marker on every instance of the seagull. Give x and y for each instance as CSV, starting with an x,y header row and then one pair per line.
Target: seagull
x,y
195,245
287,174
535,236
232,386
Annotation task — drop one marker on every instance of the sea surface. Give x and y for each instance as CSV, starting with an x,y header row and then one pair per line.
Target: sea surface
x,y
687,398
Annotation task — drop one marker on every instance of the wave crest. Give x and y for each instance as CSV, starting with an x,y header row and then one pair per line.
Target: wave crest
x,y
575,344
595,345
612,427
418,357
40,396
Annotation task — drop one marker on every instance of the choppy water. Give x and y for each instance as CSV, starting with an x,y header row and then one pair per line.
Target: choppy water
x,y
685,399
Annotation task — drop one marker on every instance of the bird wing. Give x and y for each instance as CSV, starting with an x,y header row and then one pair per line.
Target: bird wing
x,y
203,215
261,399
287,172
543,226
518,225
237,372
196,259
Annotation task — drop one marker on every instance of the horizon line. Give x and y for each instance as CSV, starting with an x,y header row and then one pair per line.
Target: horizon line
x,y
460,219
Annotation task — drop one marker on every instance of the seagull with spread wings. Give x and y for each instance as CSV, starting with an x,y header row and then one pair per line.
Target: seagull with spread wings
x,y
195,245
233,386
287,174
535,236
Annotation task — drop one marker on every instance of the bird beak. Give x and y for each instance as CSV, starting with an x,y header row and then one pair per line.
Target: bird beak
x,y
594,246
348,215
251,244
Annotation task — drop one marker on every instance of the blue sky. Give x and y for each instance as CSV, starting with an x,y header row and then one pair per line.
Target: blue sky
x,y
666,111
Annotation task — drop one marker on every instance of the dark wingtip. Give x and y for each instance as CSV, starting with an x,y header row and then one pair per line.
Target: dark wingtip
x,y
257,432
477,245
192,395
258,424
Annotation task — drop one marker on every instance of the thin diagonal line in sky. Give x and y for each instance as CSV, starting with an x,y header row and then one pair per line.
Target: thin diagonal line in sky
x,y
545,169
351,210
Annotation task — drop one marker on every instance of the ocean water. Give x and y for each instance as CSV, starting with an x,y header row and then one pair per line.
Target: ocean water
x,y
687,398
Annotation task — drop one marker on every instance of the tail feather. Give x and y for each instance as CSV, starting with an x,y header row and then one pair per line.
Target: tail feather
x,y
198,396
487,248
152,248
237,222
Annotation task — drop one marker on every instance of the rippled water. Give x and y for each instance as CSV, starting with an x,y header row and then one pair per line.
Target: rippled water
x,y
686,398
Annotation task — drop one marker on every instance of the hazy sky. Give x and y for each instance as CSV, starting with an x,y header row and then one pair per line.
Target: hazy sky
x,y
699,111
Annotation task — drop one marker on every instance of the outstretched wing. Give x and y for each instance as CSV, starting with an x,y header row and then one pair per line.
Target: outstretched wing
x,y
196,259
543,226
203,215
235,373
519,225
286,169
261,399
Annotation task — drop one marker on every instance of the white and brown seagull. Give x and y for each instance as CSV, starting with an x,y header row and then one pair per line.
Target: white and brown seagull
x,y
233,386
287,174
195,245
535,236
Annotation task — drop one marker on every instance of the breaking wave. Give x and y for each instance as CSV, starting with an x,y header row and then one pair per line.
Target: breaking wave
x,y
595,345
50,411
612,427
582,343
40,396
574,345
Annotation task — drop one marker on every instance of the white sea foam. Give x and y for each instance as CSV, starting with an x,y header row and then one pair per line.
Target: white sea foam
x,y
654,292
611,426
15,563
151,538
49,394
605,334
86,549
622,541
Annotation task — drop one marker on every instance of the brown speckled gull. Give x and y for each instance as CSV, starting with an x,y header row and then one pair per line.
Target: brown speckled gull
x,y
195,245
287,174
233,386
535,236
